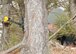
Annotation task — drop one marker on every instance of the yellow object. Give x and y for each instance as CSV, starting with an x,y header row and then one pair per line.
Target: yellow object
x,y
5,19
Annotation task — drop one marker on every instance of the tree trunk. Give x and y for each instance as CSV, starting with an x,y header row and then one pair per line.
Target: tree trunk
x,y
36,35
72,7
73,11
5,12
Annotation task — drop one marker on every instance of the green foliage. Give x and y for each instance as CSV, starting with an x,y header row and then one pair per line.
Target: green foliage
x,y
14,40
68,28
16,35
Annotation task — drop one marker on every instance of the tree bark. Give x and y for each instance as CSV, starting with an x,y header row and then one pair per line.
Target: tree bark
x,y
73,11
36,35
72,7
5,12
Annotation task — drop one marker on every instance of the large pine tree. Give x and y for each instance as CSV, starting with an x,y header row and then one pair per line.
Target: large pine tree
x,y
36,32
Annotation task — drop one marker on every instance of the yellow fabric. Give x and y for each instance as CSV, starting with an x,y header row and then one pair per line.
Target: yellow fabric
x,y
5,19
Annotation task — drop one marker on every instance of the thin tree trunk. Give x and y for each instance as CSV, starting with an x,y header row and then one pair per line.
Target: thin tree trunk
x,y
73,11
5,12
72,7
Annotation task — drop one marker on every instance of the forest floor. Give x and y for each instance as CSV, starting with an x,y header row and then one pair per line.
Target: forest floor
x,y
56,48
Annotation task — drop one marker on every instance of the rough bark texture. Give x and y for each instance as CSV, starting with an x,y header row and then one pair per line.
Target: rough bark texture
x,y
73,10
73,7
35,27
5,12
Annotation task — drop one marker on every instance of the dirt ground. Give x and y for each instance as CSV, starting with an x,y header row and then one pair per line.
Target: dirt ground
x,y
56,48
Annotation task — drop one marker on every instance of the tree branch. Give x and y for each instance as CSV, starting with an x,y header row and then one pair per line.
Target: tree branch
x,y
53,36
20,45
13,48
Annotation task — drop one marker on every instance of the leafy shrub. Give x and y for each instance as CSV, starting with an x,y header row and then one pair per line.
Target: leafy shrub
x,y
68,28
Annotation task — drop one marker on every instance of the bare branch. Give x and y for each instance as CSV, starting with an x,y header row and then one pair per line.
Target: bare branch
x,y
20,45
